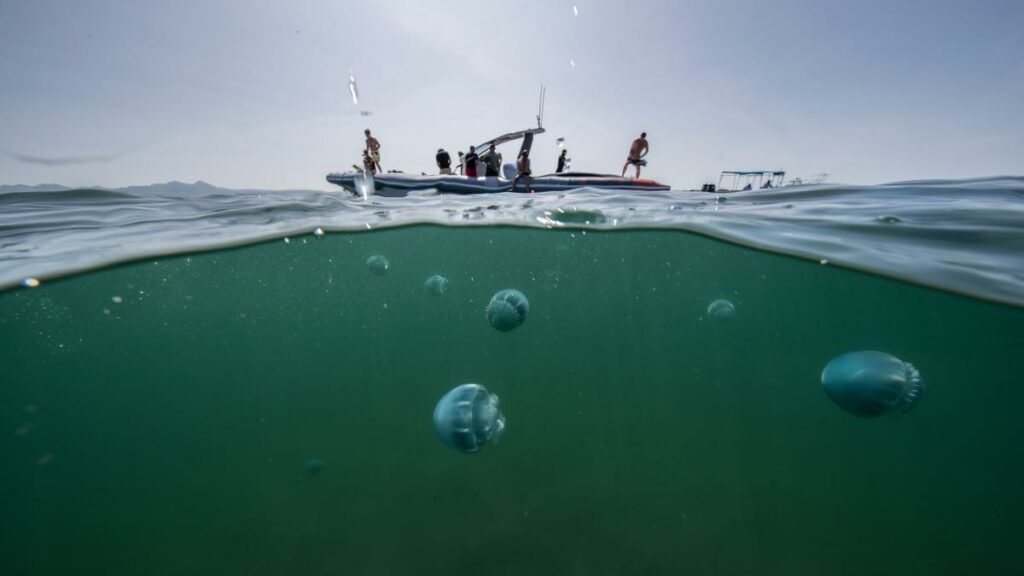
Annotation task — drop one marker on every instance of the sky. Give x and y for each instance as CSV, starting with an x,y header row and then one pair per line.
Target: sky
x,y
246,94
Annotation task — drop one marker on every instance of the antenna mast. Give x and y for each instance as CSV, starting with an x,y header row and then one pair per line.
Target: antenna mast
x,y
540,108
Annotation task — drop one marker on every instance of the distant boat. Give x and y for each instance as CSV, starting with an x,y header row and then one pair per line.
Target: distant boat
x,y
740,180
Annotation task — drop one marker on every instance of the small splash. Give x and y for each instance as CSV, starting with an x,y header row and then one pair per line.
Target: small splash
x,y
30,409
45,459
24,429
352,88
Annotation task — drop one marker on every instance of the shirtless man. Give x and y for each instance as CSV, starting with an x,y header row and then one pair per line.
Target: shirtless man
x,y
637,151
523,166
373,145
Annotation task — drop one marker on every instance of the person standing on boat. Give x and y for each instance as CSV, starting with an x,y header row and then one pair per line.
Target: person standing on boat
x,y
444,161
469,161
523,166
461,162
492,162
637,151
373,145
561,161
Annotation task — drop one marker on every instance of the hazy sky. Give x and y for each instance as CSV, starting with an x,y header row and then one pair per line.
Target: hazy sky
x,y
255,93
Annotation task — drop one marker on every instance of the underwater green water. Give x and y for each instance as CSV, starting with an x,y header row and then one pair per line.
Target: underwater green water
x,y
168,433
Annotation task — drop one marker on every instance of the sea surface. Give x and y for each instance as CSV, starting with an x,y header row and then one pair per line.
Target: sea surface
x,y
196,380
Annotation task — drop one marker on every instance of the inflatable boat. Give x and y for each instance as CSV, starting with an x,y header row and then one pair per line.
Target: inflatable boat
x,y
398,184
401,185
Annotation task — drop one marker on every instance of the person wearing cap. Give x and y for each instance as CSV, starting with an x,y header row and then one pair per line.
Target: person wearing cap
x,y
523,166
444,161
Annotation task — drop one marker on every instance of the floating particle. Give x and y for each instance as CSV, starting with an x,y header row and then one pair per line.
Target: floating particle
x,y
116,299
30,282
507,310
436,285
352,88
468,417
45,459
722,310
378,264
314,467
319,233
30,409
24,429
869,383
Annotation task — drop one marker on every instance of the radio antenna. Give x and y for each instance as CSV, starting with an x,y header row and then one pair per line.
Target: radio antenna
x,y
540,108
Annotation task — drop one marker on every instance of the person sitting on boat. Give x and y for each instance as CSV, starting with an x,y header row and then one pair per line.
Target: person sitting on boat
x,y
523,165
492,162
767,185
637,151
444,161
368,164
748,187
561,161
373,145
469,162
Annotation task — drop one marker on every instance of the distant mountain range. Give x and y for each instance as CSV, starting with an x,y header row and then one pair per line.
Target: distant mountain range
x,y
173,188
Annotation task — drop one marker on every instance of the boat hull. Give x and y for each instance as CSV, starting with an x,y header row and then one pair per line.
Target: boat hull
x,y
401,185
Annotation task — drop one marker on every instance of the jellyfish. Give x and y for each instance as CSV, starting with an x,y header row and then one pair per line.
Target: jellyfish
x,y
314,467
869,383
507,309
721,310
378,264
468,417
437,285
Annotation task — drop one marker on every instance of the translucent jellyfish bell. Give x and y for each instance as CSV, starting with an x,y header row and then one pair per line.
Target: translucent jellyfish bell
x,y
468,417
721,310
436,285
507,310
869,383
378,264
314,467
